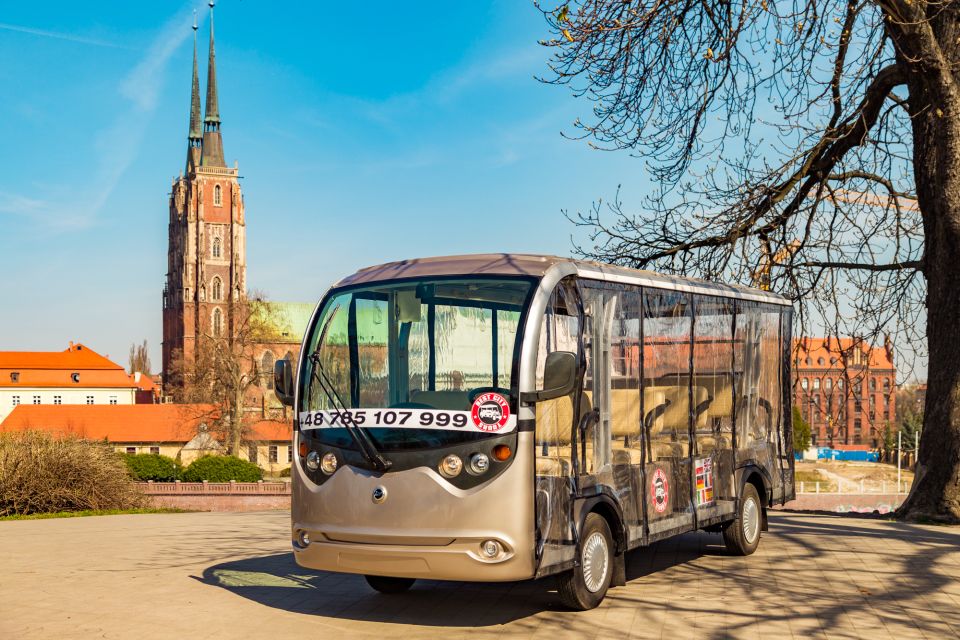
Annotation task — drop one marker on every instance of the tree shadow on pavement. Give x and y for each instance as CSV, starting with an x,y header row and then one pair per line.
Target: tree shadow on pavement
x,y
277,581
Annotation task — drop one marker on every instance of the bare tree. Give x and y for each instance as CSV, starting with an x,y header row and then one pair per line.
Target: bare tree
x,y
139,358
220,373
808,146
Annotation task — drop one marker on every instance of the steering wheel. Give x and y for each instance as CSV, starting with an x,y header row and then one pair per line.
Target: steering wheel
x,y
473,393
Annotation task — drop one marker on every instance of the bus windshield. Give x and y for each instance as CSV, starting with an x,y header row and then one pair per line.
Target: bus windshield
x,y
415,364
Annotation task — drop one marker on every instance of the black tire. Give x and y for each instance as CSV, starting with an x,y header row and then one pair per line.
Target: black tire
x,y
742,536
595,543
387,584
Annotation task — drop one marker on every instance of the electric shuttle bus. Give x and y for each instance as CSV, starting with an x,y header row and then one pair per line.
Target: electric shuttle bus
x,y
504,417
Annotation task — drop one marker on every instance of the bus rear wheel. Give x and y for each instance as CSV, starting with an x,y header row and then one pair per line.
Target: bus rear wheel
x,y
586,584
742,536
387,584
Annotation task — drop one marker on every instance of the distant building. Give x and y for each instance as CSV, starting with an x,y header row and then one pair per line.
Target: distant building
x,y
77,375
180,431
207,255
846,390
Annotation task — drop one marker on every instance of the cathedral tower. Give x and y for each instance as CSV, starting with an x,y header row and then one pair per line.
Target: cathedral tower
x,y
206,251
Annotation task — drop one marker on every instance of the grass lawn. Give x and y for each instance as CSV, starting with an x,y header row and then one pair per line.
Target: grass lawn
x,y
79,514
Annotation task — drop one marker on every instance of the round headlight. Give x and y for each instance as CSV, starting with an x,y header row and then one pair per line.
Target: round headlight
x,y
329,463
303,538
451,466
313,460
479,463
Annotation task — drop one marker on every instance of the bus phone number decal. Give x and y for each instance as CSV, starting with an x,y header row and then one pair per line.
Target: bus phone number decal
x,y
400,419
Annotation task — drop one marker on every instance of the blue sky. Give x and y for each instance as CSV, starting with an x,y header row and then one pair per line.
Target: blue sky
x,y
364,132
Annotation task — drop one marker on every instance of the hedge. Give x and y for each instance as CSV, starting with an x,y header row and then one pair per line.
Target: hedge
x,y
150,466
221,469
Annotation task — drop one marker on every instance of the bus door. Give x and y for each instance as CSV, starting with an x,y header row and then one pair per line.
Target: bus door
x,y
713,391
668,410
556,420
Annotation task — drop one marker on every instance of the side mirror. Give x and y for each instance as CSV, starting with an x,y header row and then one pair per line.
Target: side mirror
x,y
559,377
283,381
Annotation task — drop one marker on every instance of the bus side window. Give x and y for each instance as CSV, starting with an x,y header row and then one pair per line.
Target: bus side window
x,y
666,344
713,372
559,331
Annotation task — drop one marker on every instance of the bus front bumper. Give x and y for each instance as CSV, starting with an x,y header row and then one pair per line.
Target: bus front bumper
x,y
461,559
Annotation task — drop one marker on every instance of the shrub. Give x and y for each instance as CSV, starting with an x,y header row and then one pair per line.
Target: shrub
x,y
285,473
150,466
40,473
222,469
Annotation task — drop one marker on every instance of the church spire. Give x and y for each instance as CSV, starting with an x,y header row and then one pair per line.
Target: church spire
x,y
195,137
212,142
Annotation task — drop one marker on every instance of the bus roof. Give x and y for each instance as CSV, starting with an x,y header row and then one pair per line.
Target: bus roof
x,y
520,264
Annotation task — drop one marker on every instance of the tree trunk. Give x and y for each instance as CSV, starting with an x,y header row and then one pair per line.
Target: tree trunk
x,y
935,110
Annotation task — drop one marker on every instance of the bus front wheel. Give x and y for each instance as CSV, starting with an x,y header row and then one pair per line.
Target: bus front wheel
x,y
586,584
742,536
386,584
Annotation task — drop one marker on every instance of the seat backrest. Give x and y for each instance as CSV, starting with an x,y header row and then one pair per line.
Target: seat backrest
x,y
720,388
625,412
555,418
447,400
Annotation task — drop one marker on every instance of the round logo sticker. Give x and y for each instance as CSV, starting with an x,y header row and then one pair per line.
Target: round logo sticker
x,y
490,412
659,490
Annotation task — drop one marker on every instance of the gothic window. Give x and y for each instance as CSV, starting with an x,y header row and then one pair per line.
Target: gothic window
x,y
217,196
267,362
217,248
217,289
217,323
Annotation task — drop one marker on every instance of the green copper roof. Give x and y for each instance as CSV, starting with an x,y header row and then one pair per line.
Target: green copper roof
x,y
285,321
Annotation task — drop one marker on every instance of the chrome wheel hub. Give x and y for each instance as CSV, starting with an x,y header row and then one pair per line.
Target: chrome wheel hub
x,y
595,560
751,520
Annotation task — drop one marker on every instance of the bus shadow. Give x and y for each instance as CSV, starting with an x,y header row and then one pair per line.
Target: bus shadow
x,y
277,581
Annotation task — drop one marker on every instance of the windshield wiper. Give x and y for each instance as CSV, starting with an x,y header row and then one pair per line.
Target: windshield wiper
x,y
364,443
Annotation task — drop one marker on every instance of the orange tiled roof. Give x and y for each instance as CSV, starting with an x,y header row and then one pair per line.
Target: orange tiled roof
x,y
115,423
56,369
271,430
834,349
129,423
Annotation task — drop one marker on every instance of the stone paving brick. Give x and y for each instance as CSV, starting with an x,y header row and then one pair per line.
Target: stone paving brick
x,y
229,575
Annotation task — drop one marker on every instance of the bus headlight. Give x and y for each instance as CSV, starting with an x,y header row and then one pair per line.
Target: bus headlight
x,y
313,460
451,466
479,463
329,463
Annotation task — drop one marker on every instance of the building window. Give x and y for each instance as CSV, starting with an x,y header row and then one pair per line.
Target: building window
x,y
217,196
289,455
131,450
273,453
89,399
216,247
252,453
57,399
821,361
873,384
217,289
840,383
828,384
16,400
75,377
36,399
155,451
217,323
816,383
886,385
14,376
267,362
804,383
857,405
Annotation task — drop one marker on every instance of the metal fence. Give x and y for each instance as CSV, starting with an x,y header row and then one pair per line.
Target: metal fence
x,y
178,488
850,487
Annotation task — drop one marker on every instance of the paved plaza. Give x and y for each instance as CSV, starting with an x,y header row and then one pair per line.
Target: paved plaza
x,y
217,575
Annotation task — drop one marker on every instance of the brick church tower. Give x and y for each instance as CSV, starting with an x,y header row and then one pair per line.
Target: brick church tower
x,y
206,254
